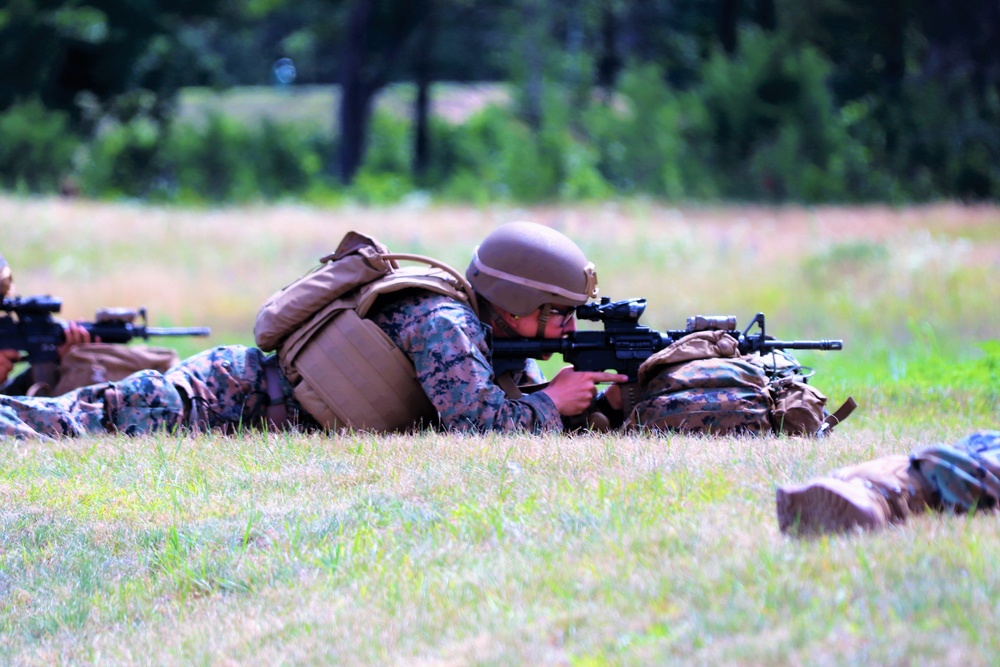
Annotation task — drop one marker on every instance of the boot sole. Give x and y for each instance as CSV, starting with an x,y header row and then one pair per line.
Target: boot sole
x,y
826,506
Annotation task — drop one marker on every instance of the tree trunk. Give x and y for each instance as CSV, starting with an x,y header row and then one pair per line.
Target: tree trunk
x,y
727,25
355,93
422,103
609,63
766,16
894,24
534,66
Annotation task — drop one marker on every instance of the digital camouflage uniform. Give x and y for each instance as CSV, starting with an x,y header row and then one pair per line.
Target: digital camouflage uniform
x,y
964,476
225,387
449,347
216,389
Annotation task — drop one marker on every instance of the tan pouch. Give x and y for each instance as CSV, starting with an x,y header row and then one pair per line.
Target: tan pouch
x,y
357,261
694,346
346,372
353,376
799,408
92,363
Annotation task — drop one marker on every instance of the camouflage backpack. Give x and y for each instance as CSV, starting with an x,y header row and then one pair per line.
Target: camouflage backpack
x,y
702,384
799,407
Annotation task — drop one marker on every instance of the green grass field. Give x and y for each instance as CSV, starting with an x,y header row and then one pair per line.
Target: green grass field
x,y
442,549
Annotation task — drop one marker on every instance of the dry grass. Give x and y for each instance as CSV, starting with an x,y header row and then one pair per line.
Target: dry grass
x,y
216,266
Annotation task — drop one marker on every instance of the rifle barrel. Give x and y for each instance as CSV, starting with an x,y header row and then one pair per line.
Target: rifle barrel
x,y
804,344
178,331
118,332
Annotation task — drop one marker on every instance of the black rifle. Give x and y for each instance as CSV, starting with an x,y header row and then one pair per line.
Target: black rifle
x,y
624,343
29,327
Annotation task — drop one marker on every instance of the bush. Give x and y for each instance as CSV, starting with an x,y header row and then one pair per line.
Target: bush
x,y
771,130
497,156
384,178
476,155
213,162
36,148
641,139
225,160
944,140
288,158
759,125
123,159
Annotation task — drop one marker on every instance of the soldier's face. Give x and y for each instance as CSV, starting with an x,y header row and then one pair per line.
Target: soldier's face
x,y
561,322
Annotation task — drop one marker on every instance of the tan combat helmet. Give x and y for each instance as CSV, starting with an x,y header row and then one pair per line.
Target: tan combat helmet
x,y
6,278
523,265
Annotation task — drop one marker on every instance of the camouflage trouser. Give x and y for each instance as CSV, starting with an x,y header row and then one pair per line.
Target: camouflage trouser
x,y
963,476
221,388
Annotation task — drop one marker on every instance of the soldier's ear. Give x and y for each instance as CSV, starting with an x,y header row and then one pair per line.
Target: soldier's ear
x,y
505,315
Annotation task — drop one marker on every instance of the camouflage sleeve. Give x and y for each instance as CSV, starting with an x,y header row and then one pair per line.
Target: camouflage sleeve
x,y
532,373
448,346
965,475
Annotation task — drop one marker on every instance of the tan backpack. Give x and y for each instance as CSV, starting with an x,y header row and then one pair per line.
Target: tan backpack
x,y
346,372
92,363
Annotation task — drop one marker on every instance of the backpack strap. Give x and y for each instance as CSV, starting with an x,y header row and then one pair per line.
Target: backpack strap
x,y
839,415
460,279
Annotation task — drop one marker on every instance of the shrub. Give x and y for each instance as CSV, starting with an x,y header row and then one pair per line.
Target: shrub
x,y
214,161
384,178
945,139
226,160
36,148
641,138
288,158
771,129
123,159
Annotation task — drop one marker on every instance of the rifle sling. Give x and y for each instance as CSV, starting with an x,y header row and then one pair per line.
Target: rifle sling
x,y
505,381
631,395
840,414
510,388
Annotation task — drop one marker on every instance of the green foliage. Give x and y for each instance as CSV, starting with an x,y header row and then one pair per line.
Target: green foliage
x,y
383,179
770,100
770,128
220,159
289,158
123,159
380,189
389,148
496,158
759,125
36,148
213,162
941,137
640,138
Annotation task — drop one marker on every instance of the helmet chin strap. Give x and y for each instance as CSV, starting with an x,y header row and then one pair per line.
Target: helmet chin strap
x,y
543,320
500,324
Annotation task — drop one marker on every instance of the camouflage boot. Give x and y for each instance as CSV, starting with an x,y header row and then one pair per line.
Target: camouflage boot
x,y
869,496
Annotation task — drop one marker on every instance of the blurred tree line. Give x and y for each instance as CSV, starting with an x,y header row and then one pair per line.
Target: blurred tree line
x,y
757,100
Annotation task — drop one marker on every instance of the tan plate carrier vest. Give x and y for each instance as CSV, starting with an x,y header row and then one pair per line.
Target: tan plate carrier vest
x,y
346,372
